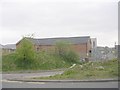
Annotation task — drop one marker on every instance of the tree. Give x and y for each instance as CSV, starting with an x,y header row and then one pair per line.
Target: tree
x,y
25,54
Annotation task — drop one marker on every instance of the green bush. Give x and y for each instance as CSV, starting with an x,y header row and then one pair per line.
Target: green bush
x,y
50,61
71,56
25,54
65,51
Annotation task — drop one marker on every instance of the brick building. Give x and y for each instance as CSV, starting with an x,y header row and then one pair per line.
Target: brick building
x,y
82,45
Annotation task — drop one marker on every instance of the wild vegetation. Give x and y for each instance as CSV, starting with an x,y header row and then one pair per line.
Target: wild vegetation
x,y
26,58
25,55
90,70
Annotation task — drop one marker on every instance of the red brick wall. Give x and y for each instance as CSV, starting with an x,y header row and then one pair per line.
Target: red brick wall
x,y
81,49
44,47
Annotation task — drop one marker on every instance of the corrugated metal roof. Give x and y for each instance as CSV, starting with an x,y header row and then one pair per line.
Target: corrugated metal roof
x,y
52,41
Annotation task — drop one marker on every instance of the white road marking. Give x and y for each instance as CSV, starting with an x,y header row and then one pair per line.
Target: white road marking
x,y
10,81
22,82
36,82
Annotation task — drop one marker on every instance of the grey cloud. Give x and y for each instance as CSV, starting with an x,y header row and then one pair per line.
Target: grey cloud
x,y
60,19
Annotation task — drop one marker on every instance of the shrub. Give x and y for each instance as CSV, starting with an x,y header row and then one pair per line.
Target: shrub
x,y
50,61
64,50
25,54
71,57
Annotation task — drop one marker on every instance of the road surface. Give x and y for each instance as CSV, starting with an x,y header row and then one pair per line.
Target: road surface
x,y
16,84
28,75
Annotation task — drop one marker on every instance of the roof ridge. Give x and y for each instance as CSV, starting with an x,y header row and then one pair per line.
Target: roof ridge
x,y
60,38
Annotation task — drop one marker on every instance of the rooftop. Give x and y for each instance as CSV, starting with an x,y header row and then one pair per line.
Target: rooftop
x,y
9,46
52,41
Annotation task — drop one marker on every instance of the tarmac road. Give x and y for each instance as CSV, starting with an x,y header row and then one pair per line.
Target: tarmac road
x,y
19,84
28,75
16,84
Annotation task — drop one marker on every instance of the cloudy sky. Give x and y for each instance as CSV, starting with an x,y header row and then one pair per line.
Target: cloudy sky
x,y
59,18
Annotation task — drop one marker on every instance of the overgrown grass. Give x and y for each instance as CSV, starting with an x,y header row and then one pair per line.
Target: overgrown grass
x,y
43,61
8,62
50,61
26,58
90,70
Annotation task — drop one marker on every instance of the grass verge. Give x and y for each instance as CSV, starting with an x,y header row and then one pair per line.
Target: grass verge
x,y
90,70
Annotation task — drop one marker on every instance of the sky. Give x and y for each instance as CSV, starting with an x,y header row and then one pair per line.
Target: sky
x,y
59,18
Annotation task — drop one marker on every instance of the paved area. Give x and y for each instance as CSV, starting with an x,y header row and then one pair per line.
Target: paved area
x,y
64,81
6,83
28,75
17,84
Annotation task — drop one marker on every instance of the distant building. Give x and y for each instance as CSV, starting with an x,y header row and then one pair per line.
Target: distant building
x,y
117,49
10,48
103,53
82,45
93,42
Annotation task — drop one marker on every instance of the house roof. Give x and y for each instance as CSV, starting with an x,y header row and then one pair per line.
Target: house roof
x,y
52,41
9,46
